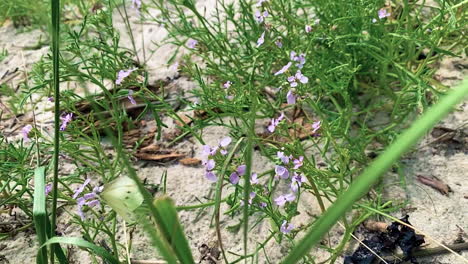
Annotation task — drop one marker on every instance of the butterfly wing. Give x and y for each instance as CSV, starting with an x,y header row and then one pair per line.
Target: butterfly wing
x,y
123,196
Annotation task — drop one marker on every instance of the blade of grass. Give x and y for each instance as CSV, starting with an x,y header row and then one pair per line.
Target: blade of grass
x,y
372,173
39,212
55,29
84,244
172,230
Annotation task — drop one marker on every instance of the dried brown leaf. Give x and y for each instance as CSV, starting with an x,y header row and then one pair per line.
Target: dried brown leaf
x,y
190,161
437,184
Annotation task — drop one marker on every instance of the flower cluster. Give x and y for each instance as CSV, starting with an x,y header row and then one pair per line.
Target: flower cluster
x,y
25,132
235,176
282,172
89,199
209,152
275,122
67,118
122,74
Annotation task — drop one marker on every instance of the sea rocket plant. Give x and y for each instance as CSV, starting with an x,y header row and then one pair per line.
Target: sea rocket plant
x,y
122,74
261,40
383,13
192,43
130,97
286,228
260,16
235,176
209,152
274,123
283,199
89,199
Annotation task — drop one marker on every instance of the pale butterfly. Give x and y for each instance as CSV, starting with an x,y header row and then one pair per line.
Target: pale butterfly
x,y
123,196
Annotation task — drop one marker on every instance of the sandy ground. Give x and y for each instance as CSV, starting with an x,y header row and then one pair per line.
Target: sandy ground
x,y
442,217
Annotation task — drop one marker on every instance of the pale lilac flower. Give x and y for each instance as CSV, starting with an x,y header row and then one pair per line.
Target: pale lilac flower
x,y
260,17
275,122
208,151
50,99
297,77
192,43
230,98
254,179
130,97
282,157
259,3
383,13
298,162
278,43
211,176
225,142
25,132
284,69
308,28
65,120
81,188
300,59
136,4
262,205
174,66
286,228
297,181
281,171
316,126
123,74
48,189
252,196
283,199
261,40
290,97
234,178
89,199
210,164
227,84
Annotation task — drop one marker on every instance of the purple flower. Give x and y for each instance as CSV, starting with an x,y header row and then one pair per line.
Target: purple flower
x,y
282,171
382,13
225,142
81,188
298,162
136,4
89,199
130,97
286,228
25,132
278,43
290,97
308,28
297,77
234,178
48,189
252,196
50,99
192,43
282,157
210,164
316,126
65,120
260,17
254,179
284,69
283,199
297,181
211,176
262,205
274,123
300,59
227,84
123,74
261,40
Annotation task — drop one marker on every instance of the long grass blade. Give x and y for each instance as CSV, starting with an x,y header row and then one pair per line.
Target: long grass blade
x,y
76,241
371,174
55,32
172,230
39,212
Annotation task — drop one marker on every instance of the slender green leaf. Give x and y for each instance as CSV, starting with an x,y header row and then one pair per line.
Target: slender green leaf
x,y
39,212
371,174
172,230
84,244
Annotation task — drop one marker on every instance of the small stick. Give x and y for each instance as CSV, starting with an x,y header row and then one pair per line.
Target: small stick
x,y
434,251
